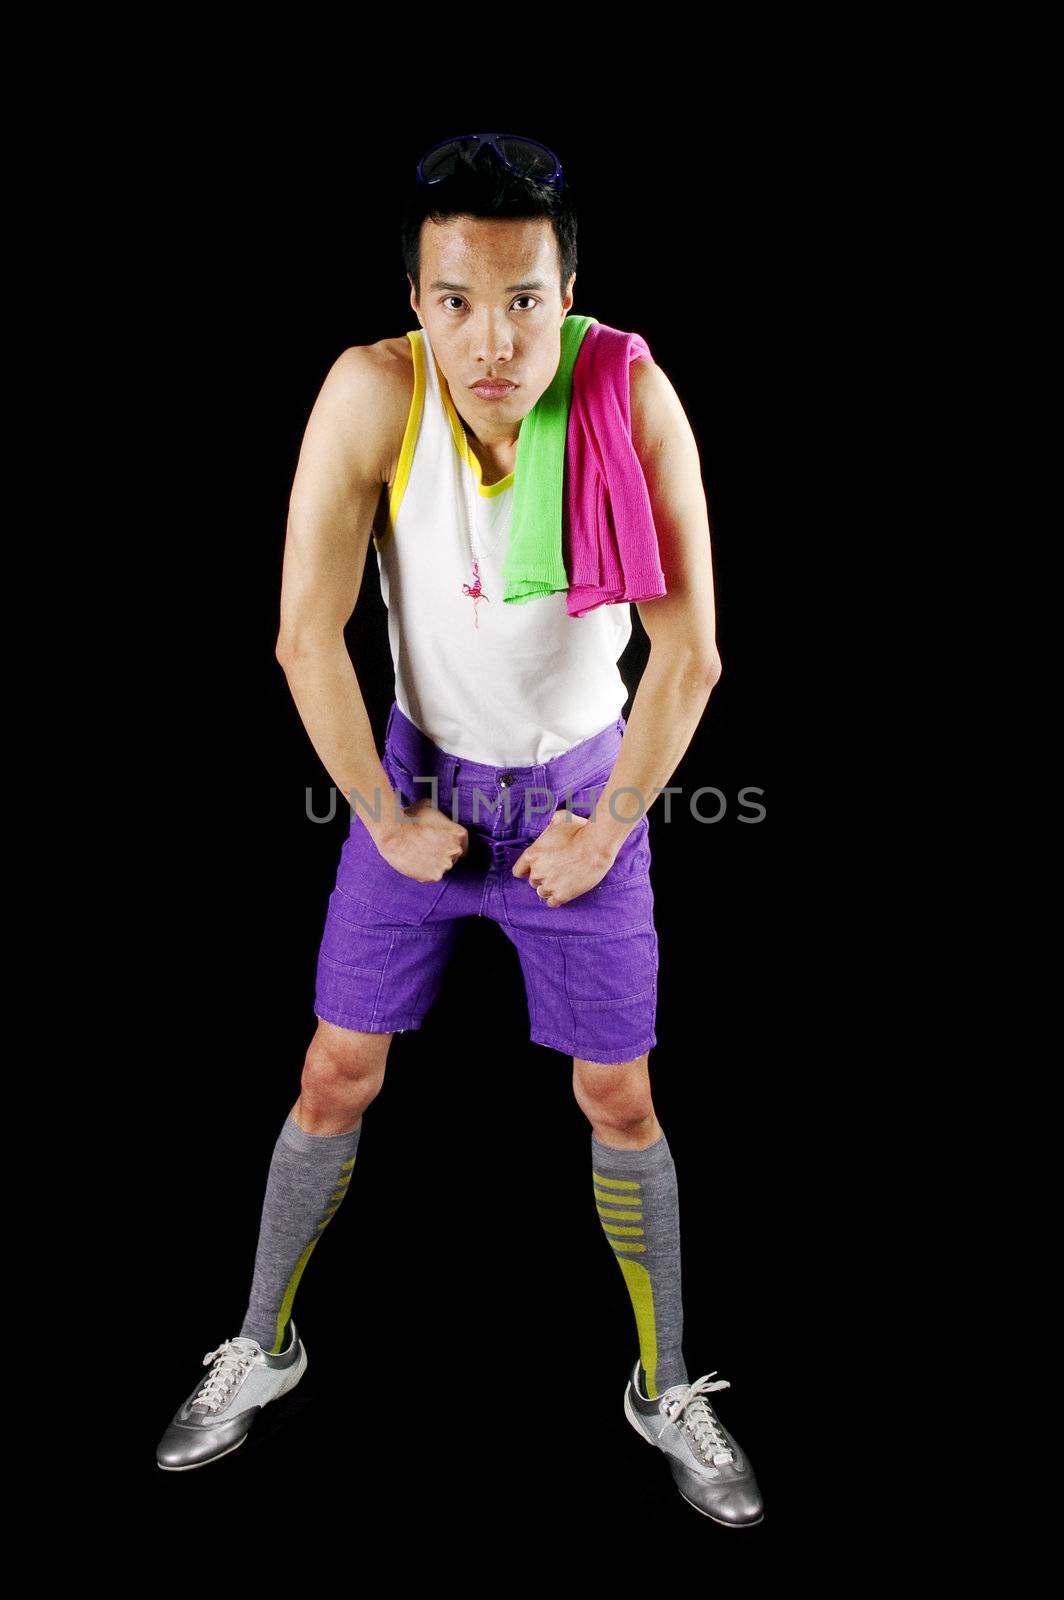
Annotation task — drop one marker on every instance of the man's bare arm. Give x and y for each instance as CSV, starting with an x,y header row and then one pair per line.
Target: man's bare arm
x,y
684,663
342,467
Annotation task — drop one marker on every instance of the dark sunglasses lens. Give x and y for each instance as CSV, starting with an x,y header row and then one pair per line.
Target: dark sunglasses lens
x,y
529,159
442,162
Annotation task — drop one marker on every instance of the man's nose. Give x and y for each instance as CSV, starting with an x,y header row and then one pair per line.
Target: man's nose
x,y
492,338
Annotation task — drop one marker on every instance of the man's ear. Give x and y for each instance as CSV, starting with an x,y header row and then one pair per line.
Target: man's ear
x,y
413,297
567,301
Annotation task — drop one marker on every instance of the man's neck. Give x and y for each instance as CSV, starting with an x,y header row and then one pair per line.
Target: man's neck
x,y
505,440
497,454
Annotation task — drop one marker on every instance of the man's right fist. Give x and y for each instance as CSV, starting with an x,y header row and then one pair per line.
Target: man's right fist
x,y
426,845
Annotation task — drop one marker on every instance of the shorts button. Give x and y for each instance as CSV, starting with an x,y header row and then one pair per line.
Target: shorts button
x,y
506,779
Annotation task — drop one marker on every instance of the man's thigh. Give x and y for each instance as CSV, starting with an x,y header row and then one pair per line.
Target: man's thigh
x,y
381,959
591,965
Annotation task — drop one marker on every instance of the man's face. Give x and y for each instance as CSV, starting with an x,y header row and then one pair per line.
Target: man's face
x,y
492,304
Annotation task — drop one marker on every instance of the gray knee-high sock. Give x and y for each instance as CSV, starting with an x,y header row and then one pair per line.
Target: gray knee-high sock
x,y
638,1205
309,1176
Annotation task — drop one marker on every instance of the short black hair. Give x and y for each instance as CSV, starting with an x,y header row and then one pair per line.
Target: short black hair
x,y
483,187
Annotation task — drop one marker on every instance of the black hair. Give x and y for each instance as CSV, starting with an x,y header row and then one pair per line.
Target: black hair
x,y
483,187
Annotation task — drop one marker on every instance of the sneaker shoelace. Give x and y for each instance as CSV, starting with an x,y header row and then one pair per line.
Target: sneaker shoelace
x,y
232,1361
688,1410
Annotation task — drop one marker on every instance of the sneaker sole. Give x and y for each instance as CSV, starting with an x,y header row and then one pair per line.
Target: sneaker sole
x,y
717,1520
190,1466
637,1425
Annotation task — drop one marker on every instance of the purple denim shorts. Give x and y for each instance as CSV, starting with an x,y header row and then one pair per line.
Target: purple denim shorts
x,y
590,966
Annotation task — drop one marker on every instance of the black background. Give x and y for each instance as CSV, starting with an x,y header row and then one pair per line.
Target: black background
x,y
468,1331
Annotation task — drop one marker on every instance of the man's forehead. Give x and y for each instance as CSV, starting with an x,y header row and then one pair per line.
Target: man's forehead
x,y
467,250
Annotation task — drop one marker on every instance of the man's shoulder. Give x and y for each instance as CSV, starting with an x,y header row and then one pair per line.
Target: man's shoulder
x,y
379,378
386,364
653,403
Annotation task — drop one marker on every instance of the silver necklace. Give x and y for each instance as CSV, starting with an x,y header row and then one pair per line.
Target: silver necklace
x,y
474,590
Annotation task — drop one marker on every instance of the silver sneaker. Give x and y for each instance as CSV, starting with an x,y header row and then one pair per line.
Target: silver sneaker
x,y
709,1469
219,1413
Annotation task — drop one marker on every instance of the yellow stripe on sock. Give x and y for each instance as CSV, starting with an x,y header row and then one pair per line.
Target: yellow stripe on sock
x,y
293,1282
636,1276
289,1296
617,1199
640,1290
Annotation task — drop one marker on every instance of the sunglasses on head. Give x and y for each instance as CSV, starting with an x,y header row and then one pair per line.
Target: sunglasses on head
x,y
527,157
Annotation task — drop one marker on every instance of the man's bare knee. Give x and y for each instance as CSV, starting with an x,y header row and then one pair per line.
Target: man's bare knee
x,y
617,1100
342,1074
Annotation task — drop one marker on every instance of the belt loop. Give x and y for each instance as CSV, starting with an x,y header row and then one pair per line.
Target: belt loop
x,y
541,783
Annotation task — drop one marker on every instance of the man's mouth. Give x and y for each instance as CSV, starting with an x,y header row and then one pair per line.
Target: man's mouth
x,y
493,388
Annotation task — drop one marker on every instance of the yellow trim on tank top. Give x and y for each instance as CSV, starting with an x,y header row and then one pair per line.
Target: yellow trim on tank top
x,y
461,443
410,433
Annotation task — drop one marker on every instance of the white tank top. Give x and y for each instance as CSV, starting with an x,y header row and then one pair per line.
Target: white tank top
x,y
528,681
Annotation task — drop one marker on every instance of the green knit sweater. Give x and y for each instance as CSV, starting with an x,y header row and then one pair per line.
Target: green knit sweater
x,y
534,564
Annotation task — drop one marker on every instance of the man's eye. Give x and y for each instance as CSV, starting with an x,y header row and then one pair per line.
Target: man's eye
x,y
447,299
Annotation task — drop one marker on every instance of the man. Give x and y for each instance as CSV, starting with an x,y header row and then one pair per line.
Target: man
x,y
414,440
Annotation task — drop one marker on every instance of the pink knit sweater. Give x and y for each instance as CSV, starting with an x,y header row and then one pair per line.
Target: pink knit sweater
x,y
610,542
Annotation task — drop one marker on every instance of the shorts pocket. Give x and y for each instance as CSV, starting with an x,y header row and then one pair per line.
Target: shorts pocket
x,y
393,898
349,942
602,972
582,800
612,989
404,780
633,858
373,976
619,902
